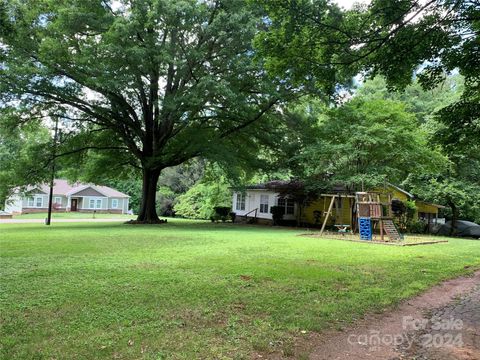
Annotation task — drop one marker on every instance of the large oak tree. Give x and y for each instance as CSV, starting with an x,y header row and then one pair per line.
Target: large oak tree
x,y
151,82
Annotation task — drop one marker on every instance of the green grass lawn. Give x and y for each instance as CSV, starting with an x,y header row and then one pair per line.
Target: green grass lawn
x,y
189,290
73,215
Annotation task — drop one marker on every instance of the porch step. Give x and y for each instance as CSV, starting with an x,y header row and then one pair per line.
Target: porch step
x,y
245,220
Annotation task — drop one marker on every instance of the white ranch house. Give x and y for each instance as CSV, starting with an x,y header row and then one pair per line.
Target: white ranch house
x,y
257,200
69,197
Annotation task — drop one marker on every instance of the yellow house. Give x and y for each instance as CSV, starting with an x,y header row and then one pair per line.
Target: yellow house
x,y
343,209
424,211
255,203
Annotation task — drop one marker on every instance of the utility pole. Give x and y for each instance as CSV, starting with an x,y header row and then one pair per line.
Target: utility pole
x,y
52,178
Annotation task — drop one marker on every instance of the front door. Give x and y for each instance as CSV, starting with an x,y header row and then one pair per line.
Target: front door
x,y
73,206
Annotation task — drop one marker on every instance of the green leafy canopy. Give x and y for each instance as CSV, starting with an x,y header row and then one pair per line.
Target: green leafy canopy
x,y
369,142
153,82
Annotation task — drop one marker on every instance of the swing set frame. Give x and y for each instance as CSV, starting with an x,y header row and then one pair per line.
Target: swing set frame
x,y
368,204
330,208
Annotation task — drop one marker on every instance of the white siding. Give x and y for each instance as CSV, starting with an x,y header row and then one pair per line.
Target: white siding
x,y
106,203
63,200
252,201
13,204
86,203
44,204
122,204
17,204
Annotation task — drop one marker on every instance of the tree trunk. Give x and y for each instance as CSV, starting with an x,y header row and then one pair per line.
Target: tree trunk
x,y
148,211
454,217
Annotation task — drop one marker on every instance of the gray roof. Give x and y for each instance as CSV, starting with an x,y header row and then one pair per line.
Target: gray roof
x,y
276,185
401,190
298,185
63,187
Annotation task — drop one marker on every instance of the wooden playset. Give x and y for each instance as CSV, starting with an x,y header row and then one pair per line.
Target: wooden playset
x,y
373,212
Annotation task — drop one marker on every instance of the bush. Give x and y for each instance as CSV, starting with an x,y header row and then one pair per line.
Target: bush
x,y
277,214
398,207
233,215
221,213
201,199
416,227
165,201
404,214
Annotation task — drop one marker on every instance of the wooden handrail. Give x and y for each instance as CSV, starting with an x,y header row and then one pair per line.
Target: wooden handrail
x,y
246,215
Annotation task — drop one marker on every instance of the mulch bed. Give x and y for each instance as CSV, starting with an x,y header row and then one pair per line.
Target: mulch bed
x,y
409,241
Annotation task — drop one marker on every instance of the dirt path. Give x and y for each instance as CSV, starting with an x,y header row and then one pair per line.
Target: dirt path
x,y
453,331
443,323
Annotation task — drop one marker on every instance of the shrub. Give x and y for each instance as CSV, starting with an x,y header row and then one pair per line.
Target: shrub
x,y
416,227
201,199
165,201
277,214
221,213
398,207
404,213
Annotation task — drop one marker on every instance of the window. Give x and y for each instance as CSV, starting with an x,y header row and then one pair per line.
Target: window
x,y
57,200
240,205
114,203
288,205
264,204
426,217
94,203
281,203
35,201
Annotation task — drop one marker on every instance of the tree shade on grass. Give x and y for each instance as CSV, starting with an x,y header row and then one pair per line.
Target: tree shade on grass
x,y
188,289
